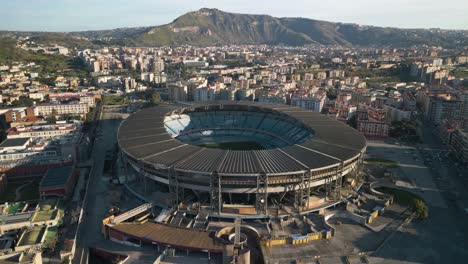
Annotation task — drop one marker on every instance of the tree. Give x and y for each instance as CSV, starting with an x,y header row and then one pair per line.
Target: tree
x,y
90,115
353,121
52,120
420,209
331,94
405,130
50,81
465,82
54,111
156,98
23,101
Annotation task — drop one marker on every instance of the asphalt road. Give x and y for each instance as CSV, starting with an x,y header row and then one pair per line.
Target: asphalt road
x,y
97,200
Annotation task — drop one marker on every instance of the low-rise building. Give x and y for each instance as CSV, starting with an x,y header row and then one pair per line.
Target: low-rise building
x,y
14,144
58,182
41,131
46,213
195,63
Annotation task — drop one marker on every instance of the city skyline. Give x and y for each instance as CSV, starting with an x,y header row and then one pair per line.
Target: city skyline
x,y
71,15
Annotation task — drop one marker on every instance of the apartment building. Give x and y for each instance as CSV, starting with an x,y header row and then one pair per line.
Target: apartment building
x,y
204,94
314,103
443,106
372,123
63,109
459,144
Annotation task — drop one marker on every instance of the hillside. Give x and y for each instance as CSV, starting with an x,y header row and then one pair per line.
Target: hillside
x,y
214,27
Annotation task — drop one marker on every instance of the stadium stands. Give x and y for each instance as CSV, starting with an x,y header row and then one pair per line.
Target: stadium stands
x,y
266,129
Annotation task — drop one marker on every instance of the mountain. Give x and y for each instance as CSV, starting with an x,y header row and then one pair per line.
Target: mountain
x,y
214,27
206,27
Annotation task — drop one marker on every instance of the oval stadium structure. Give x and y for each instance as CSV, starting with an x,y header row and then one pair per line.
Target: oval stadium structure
x,y
242,153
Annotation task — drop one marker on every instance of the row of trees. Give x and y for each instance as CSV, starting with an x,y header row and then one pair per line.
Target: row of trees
x,y
405,130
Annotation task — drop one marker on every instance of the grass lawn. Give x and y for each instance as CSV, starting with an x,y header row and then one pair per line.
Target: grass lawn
x,y
32,236
113,100
248,145
382,162
15,207
50,238
400,196
41,216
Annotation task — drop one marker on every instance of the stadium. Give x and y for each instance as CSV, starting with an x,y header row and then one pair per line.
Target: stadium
x,y
242,157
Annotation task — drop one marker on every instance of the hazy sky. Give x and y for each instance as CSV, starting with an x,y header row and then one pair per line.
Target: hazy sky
x,y
76,15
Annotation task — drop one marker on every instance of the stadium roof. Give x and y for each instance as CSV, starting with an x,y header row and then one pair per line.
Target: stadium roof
x,y
143,137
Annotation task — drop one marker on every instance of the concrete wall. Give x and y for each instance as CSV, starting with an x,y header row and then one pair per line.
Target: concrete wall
x,y
344,214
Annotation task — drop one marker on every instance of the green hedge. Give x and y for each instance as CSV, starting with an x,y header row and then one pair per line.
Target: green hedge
x,y
382,162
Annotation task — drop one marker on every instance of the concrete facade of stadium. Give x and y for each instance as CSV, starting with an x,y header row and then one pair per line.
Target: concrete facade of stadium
x,y
302,152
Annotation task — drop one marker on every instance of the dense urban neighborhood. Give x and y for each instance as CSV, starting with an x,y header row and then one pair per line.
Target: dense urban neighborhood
x,y
231,153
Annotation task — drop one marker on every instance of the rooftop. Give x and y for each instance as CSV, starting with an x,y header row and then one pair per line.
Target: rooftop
x,y
15,218
41,216
24,129
57,176
32,236
179,237
14,142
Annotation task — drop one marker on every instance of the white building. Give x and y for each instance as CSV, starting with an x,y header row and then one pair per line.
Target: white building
x,y
63,109
37,96
204,94
310,103
160,78
195,63
88,99
158,66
